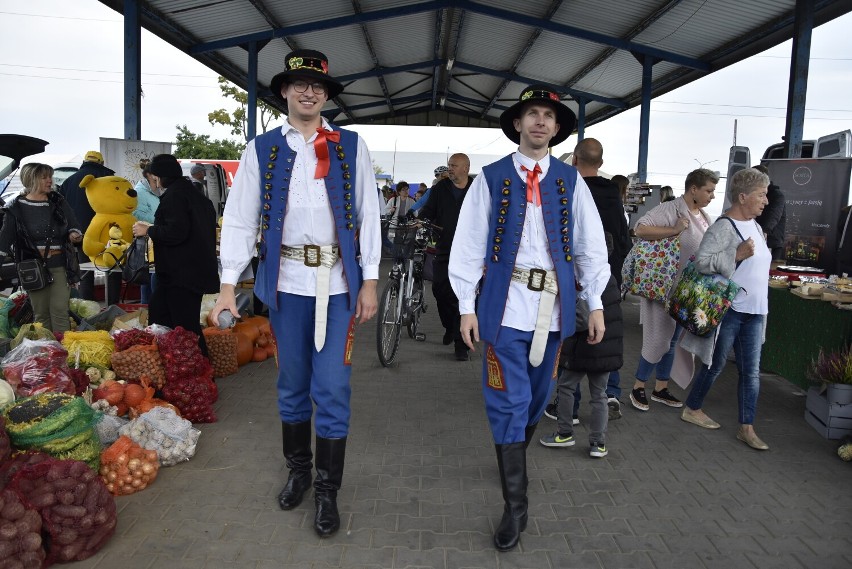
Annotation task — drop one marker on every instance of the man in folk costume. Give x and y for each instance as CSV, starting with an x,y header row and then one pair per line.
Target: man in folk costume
x,y
529,236
308,187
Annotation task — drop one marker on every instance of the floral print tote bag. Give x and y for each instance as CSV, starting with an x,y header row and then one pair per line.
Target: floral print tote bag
x,y
651,267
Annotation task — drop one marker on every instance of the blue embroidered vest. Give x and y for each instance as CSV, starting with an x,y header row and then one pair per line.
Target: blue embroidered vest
x,y
275,158
506,223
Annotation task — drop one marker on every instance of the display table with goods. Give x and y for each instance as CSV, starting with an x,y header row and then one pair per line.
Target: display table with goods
x,y
93,415
798,326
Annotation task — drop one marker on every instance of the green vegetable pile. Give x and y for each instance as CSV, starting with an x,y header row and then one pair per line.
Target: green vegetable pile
x,y
55,423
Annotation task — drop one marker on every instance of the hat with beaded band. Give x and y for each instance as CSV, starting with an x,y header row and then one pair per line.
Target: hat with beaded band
x,y
565,117
307,64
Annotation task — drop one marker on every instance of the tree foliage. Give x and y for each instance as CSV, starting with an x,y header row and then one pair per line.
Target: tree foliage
x,y
377,169
238,118
201,146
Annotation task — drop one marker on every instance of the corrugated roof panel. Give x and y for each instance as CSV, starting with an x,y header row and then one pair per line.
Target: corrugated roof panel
x,y
209,23
491,42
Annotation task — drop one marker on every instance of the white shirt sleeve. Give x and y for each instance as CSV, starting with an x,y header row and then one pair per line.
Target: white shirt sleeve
x,y
241,219
467,253
369,211
590,256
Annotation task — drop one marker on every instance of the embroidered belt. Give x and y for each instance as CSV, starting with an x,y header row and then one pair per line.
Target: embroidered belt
x,y
539,280
322,258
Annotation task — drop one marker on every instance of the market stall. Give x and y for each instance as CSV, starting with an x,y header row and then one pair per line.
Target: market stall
x,y
797,327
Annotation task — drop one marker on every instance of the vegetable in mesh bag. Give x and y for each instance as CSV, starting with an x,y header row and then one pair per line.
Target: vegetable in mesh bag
x,y
137,361
77,511
127,468
133,337
20,533
18,461
92,348
5,443
189,376
37,366
58,424
32,331
161,430
222,347
108,428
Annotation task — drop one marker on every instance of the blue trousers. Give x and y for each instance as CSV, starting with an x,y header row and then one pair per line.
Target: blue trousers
x,y
306,376
515,392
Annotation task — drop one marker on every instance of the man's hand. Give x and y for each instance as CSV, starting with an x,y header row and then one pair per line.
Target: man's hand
x,y
596,326
226,301
469,330
367,304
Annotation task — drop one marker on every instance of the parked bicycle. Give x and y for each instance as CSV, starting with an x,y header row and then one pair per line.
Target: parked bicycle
x,y
403,300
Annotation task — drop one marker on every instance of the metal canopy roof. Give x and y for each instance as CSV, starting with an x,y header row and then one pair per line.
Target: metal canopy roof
x,y
461,63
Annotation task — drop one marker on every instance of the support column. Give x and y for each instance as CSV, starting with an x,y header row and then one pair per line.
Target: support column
x,y
581,118
251,118
132,70
645,117
798,88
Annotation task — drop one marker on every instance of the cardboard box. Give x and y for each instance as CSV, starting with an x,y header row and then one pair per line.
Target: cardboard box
x,y
832,421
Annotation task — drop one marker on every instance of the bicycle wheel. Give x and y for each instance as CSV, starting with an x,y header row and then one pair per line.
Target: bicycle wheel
x,y
389,323
418,307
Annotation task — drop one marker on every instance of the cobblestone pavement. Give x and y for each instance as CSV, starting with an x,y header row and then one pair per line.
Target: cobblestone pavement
x,y
421,488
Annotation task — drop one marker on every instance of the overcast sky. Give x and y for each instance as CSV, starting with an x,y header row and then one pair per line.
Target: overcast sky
x,y
61,72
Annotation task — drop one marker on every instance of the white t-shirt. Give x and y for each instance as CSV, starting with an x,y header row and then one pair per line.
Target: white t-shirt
x,y
753,273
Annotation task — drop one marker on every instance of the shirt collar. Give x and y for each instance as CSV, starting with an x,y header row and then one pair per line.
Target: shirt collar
x,y
287,127
529,163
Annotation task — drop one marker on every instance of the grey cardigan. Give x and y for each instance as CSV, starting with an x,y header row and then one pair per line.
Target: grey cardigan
x,y
717,254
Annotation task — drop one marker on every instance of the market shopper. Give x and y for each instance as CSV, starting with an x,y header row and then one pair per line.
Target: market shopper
x,y
529,224
40,224
184,236
442,208
309,187
148,200
684,217
736,249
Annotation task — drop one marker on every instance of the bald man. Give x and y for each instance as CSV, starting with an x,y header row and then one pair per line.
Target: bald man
x,y
442,208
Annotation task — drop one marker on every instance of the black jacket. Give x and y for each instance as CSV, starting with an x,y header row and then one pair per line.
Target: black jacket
x,y
184,234
76,196
608,201
774,217
442,208
607,355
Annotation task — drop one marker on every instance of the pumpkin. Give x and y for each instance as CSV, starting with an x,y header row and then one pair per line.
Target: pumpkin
x,y
259,355
271,349
249,329
262,341
245,349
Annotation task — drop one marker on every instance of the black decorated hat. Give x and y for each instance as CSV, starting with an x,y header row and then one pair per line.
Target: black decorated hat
x,y
539,94
165,166
309,64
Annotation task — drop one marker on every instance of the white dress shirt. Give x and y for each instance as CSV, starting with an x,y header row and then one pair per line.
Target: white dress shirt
x,y
308,218
467,256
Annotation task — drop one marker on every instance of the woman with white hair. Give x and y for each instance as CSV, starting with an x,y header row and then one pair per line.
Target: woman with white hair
x,y
735,248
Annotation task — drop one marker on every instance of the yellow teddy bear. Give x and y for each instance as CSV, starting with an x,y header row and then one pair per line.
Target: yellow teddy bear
x,y
113,199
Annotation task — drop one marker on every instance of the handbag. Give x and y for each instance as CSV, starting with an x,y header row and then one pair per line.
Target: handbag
x,y
699,302
135,267
650,268
33,274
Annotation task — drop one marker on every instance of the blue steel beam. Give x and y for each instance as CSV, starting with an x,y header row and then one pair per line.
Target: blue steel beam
x,y
645,117
554,6
581,119
466,5
798,89
251,91
132,70
436,55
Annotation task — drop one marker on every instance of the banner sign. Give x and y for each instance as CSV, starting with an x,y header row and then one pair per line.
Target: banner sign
x,y
815,191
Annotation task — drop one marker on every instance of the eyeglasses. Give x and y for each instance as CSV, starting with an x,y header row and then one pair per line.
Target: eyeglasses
x,y
302,86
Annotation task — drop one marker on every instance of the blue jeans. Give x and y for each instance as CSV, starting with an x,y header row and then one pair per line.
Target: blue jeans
x,y
664,366
743,332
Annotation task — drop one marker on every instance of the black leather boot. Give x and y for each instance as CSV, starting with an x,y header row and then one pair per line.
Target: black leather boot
x,y
331,454
297,451
512,462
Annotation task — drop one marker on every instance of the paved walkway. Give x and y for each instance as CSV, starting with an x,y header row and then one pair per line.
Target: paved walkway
x,y
421,488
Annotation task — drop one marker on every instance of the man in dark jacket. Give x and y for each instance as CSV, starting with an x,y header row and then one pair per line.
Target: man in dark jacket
x,y
93,163
774,217
442,208
588,158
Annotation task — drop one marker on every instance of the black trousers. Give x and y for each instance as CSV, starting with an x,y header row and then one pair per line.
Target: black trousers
x,y
445,298
174,306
